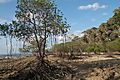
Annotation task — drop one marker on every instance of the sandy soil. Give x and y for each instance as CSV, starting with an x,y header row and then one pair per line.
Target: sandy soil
x,y
95,67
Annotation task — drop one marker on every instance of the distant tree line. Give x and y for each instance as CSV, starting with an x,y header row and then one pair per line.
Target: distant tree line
x,y
105,38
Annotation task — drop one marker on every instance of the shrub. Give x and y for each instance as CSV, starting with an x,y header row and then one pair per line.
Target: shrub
x,y
114,45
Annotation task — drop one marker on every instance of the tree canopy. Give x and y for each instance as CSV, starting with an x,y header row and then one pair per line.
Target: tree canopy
x,y
102,39
37,20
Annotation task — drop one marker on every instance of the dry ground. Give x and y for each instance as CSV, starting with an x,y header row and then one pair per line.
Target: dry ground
x,y
95,67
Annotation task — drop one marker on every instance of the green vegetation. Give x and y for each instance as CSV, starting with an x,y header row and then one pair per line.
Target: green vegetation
x,y
102,39
37,20
114,45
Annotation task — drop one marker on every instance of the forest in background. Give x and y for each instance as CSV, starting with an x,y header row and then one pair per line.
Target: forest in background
x,y
105,38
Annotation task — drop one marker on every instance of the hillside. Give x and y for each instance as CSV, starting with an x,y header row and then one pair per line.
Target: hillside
x,y
105,38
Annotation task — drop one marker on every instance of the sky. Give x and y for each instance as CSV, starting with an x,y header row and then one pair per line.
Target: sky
x,y
80,14
84,14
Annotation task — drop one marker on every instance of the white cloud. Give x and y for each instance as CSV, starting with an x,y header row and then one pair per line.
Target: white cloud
x,y
79,33
69,37
94,6
2,21
4,1
60,38
104,14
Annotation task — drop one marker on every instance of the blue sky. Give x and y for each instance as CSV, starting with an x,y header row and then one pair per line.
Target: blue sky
x,y
80,14
84,14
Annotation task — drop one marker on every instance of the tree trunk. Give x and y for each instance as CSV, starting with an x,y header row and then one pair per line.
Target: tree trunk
x,y
39,56
7,44
11,47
